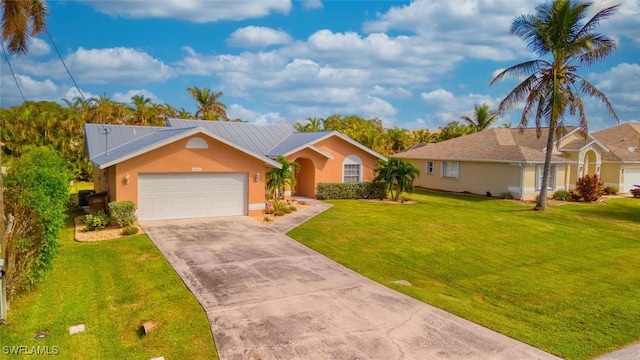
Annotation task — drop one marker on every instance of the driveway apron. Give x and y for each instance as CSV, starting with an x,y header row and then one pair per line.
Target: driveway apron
x,y
269,297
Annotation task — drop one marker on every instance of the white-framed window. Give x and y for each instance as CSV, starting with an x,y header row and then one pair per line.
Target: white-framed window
x,y
352,169
451,169
552,177
430,167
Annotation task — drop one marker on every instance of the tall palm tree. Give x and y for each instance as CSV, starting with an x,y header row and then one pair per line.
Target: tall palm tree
x,y
21,20
209,106
482,118
558,35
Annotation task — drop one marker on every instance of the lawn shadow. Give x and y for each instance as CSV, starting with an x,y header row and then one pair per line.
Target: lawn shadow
x,y
464,196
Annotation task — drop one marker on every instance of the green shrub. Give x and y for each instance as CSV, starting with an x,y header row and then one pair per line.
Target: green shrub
x,y
129,230
36,193
278,213
269,210
287,210
293,208
363,190
506,195
404,197
610,190
123,213
96,220
589,187
562,195
279,205
267,219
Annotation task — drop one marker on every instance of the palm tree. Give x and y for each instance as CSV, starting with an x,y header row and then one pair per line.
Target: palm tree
x,y
278,179
482,119
209,108
21,20
551,85
398,174
141,109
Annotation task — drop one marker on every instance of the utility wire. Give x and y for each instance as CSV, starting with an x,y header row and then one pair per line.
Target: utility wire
x,y
12,73
63,64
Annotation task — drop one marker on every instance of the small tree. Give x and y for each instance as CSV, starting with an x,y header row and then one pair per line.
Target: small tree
x,y
37,192
589,187
278,179
398,174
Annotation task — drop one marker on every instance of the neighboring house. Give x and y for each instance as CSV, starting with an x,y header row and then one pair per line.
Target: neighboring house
x,y
195,168
511,160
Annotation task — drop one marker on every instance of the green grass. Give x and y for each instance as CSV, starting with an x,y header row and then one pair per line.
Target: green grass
x,y
565,280
111,287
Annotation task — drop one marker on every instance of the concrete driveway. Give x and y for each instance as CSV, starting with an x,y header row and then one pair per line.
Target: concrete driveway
x,y
269,297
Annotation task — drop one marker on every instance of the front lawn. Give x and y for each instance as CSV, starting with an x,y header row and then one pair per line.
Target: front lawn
x,y
111,287
565,280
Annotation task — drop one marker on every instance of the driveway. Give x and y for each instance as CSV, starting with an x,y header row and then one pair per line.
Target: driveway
x,y
269,297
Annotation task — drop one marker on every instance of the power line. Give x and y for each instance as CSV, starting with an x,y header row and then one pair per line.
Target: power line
x,y
12,73
63,63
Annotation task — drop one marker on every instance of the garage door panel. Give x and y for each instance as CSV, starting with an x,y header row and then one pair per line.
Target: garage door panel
x,y
192,195
631,178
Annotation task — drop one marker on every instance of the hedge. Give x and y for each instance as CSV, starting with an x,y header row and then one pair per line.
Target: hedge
x,y
363,190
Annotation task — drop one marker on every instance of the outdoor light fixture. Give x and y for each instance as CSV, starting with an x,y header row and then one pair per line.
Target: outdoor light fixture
x,y
257,177
126,179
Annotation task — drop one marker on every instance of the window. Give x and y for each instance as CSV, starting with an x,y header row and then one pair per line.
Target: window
x,y
352,169
552,177
429,168
450,169
197,143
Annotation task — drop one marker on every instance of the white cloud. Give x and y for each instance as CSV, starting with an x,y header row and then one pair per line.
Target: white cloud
x,y
236,111
394,92
126,97
444,106
39,47
257,36
100,66
199,11
312,4
32,89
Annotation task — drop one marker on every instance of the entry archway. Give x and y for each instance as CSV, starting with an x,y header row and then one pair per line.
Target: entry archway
x,y
305,178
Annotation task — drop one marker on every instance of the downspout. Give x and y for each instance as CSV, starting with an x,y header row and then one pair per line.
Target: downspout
x,y
521,182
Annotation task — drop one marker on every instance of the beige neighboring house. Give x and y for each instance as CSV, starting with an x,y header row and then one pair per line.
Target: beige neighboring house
x,y
511,160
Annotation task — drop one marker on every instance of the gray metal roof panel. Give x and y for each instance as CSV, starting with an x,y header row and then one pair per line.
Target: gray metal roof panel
x,y
118,135
259,138
295,141
137,145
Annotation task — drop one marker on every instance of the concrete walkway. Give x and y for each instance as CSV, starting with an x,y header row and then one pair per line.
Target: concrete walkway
x,y
269,297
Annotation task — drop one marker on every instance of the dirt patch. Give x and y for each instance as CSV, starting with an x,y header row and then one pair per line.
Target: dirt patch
x,y
109,233
270,218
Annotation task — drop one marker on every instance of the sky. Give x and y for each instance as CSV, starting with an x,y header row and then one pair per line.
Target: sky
x,y
414,65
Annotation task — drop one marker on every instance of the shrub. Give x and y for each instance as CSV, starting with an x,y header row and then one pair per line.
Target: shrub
x,y
96,220
506,195
635,192
267,219
36,193
293,208
123,213
129,230
404,197
278,213
279,206
589,187
610,190
363,190
562,195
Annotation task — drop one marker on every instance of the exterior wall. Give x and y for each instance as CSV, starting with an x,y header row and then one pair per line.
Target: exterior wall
x,y
611,175
329,170
474,177
175,158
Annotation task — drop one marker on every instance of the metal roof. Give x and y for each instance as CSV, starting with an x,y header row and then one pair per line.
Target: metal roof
x,y
259,138
296,141
97,143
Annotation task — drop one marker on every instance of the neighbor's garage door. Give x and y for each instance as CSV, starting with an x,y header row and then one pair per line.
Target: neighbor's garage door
x,y
191,195
631,177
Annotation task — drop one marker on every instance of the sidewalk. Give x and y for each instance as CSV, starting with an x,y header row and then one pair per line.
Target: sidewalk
x,y
291,221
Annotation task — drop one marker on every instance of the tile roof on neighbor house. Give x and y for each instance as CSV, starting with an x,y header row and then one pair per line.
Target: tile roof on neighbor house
x,y
492,145
623,142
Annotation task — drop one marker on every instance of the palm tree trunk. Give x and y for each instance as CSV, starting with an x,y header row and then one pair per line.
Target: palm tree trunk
x,y
542,198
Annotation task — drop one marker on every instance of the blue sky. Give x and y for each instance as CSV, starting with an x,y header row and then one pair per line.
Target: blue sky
x,y
413,64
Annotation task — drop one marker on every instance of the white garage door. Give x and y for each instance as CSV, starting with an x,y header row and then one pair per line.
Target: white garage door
x,y
191,195
631,177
